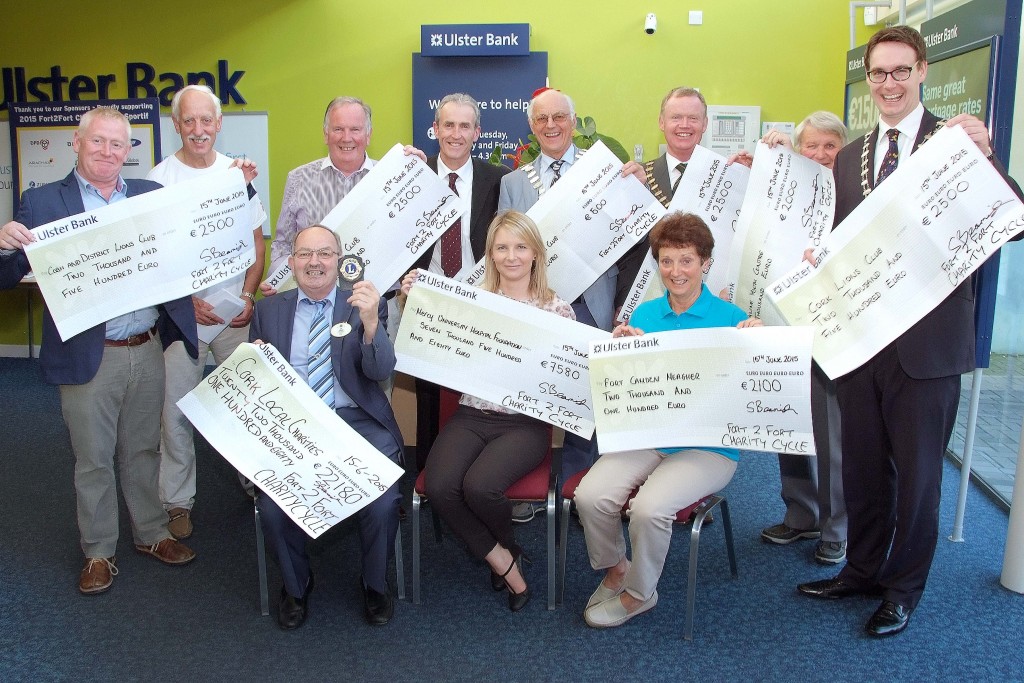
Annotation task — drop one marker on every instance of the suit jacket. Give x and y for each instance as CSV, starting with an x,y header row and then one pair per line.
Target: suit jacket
x,y
484,199
659,170
942,343
359,367
517,192
76,360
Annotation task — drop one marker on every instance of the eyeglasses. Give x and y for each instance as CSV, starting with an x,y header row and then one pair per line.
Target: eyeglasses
x,y
542,119
306,254
900,73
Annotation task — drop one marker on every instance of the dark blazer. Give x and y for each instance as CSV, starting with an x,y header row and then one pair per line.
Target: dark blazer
x,y
659,169
942,343
359,367
484,204
77,360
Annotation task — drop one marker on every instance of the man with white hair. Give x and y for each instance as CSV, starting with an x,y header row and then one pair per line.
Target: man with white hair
x,y
196,114
313,189
552,117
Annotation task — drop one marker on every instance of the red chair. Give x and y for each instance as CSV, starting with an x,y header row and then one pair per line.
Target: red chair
x,y
693,515
538,486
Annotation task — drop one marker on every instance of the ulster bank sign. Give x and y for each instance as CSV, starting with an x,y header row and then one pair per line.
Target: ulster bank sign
x,y
474,40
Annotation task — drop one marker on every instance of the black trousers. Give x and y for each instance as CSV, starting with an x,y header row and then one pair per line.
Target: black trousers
x,y
895,431
475,458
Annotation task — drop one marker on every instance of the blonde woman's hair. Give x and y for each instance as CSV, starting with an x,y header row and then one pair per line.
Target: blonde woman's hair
x,y
522,228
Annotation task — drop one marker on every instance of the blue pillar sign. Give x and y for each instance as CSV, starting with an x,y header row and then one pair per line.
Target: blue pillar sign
x,y
491,62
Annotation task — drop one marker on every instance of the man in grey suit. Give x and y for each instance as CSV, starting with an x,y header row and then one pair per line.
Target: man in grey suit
x,y
552,117
361,355
457,128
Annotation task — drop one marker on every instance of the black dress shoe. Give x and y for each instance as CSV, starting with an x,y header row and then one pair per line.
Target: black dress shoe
x,y
888,620
497,582
380,607
831,589
291,612
516,601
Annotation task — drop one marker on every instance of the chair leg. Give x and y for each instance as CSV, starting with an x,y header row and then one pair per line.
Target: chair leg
x,y
261,562
415,548
563,541
691,581
552,515
727,526
399,565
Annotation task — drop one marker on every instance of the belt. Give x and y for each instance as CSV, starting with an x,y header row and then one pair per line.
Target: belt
x,y
134,340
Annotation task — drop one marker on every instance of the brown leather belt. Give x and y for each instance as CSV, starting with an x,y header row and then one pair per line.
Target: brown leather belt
x,y
134,340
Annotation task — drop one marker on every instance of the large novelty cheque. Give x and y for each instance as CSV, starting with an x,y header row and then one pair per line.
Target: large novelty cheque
x,y
257,412
394,214
899,254
143,251
714,191
588,220
503,351
789,207
713,388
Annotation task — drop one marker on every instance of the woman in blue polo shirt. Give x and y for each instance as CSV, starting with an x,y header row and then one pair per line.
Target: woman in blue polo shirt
x,y
670,479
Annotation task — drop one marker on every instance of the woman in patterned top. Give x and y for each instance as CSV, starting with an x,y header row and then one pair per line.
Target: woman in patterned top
x,y
485,447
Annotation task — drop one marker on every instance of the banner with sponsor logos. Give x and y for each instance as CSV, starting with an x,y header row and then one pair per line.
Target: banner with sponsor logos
x,y
41,135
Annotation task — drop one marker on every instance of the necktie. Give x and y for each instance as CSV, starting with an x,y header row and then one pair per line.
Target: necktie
x,y
319,373
891,158
681,167
556,168
451,240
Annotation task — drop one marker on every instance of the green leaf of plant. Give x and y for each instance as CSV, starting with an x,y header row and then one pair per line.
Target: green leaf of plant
x,y
497,154
589,126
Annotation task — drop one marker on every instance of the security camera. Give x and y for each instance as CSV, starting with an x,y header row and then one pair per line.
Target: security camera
x,y
651,24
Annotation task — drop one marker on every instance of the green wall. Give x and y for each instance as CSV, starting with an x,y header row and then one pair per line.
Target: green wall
x,y
786,57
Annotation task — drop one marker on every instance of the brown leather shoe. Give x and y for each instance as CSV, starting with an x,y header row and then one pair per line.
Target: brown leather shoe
x,y
168,551
97,575
179,522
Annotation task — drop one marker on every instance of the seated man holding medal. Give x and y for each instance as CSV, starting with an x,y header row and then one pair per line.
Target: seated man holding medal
x,y
334,335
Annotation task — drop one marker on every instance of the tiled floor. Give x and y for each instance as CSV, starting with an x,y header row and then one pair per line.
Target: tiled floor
x,y
997,437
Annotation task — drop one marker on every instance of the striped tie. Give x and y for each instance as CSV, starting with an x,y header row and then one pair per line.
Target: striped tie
x,y
681,167
318,369
556,168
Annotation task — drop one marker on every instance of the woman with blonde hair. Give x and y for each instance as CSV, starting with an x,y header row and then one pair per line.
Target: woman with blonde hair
x,y
485,447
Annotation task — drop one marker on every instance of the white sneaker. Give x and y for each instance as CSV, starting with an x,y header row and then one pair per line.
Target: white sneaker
x,y
603,593
612,613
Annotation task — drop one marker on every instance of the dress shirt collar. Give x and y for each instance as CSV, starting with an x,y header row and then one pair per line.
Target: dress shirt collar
x,y
309,300
87,188
569,157
465,172
368,163
908,128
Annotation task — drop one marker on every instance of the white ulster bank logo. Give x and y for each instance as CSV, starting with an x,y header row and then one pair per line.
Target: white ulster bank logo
x,y
471,40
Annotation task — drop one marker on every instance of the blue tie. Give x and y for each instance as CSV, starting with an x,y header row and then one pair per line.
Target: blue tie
x,y
891,158
321,377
